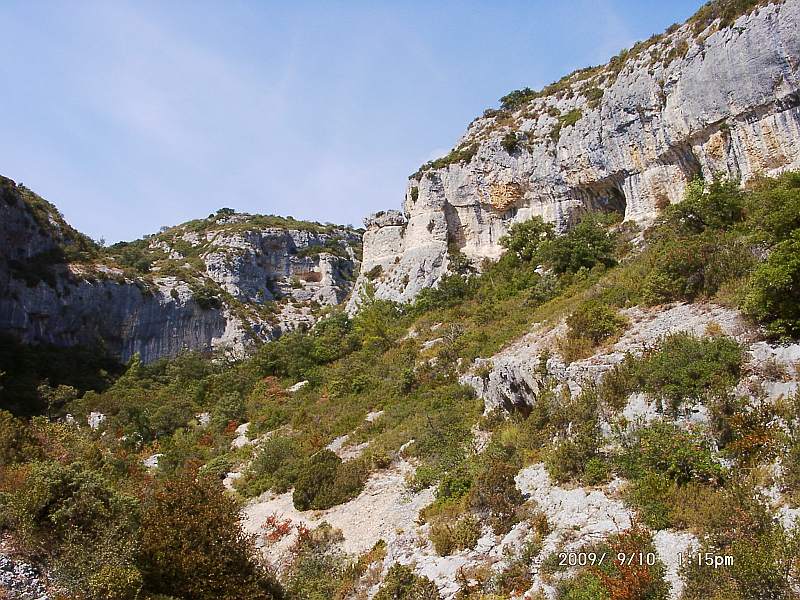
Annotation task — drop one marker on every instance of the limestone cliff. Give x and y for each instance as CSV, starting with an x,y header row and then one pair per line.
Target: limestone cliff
x,y
718,95
216,283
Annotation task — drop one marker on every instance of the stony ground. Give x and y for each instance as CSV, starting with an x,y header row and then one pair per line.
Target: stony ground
x,y
387,510
20,581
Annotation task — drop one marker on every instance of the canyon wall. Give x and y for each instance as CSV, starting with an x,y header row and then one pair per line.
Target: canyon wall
x,y
221,283
703,99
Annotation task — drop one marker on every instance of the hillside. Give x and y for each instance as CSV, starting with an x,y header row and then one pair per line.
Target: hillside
x,y
223,282
550,382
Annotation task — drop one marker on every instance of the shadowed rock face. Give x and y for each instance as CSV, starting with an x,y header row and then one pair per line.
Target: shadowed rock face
x,y
45,299
626,137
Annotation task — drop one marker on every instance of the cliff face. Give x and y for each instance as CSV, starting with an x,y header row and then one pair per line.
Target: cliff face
x,y
704,99
219,283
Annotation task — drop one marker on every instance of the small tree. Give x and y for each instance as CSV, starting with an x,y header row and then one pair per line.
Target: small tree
x,y
193,546
584,246
524,239
509,142
774,292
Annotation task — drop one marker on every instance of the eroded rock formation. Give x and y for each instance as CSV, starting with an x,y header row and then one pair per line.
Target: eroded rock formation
x,y
220,283
701,100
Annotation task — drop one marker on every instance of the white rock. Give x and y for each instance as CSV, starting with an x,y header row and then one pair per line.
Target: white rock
x,y
373,416
726,107
230,479
298,386
241,438
514,378
95,419
151,462
380,511
670,545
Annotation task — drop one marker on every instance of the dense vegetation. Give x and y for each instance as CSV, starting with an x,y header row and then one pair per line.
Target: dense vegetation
x,y
82,502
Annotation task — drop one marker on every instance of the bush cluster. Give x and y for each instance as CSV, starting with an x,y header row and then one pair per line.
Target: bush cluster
x,y
401,583
591,324
325,481
685,368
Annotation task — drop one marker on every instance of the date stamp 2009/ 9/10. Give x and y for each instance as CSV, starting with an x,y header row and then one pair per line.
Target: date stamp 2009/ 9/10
x,y
641,559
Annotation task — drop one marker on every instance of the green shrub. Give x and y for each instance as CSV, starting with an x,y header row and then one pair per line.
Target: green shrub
x,y
679,455
573,423
763,552
319,568
583,247
495,494
99,567
687,368
192,544
58,500
228,408
453,485
632,579
569,119
16,442
509,142
651,494
568,457
207,298
719,207
377,324
459,155
595,471
585,586
517,574
220,466
697,247
694,266
517,98
452,289
773,207
298,354
524,239
401,583
112,582
594,95
773,297
275,467
452,537
325,481
595,321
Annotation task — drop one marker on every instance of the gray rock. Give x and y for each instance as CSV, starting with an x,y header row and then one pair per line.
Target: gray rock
x,y
21,580
90,303
726,102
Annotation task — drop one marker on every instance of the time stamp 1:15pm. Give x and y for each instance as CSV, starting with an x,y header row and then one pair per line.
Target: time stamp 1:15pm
x,y
641,559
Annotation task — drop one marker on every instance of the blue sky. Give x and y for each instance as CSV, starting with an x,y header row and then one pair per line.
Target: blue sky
x,y
133,115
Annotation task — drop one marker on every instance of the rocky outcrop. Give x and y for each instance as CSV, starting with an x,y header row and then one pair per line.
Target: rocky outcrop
x,y
701,99
219,284
261,265
513,378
